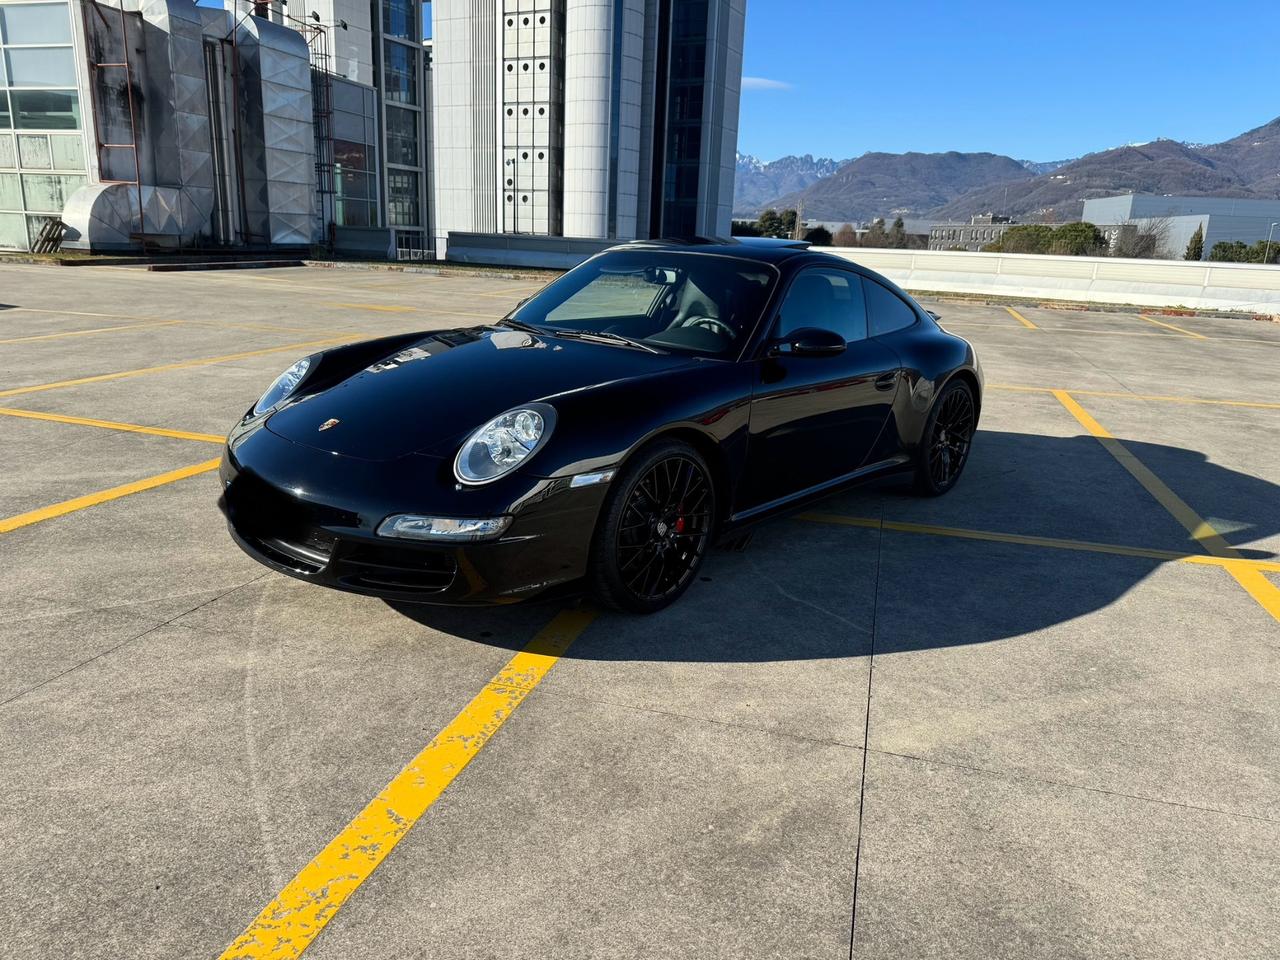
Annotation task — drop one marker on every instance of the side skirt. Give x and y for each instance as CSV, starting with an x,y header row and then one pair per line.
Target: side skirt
x,y
818,490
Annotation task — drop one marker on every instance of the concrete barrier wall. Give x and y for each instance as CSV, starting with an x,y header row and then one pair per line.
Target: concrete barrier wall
x,y
1252,288
521,249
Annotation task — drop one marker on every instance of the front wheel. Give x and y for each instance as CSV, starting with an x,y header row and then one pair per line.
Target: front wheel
x,y
654,529
947,439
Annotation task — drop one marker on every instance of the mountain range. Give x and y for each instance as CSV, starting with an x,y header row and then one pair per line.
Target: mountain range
x,y
953,185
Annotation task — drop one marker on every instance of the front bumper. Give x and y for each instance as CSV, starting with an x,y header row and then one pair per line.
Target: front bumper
x,y
312,515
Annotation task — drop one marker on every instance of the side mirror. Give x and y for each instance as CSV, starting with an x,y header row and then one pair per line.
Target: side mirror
x,y
809,342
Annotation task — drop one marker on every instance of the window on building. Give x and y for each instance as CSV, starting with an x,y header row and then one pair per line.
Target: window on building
x,y
402,199
400,19
402,136
45,109
400,73
35,23
40,67
42,147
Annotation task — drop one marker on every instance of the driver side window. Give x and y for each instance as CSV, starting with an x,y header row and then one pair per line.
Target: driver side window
x,y
826,299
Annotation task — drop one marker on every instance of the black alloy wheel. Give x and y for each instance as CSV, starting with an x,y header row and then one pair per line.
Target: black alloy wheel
x,y
655,529
947,440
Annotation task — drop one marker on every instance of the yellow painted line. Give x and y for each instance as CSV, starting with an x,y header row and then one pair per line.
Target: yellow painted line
x,y
93,499
1246,574
182,365
1120,395
1021,319
110,425
73,313
423,311
385,308
1170,326
83,333
1055,543
291,921
241,325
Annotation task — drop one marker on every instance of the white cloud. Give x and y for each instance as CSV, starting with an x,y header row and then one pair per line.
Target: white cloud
x,y
764,83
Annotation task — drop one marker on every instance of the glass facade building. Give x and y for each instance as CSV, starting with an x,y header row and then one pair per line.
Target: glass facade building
x,y
610,119
402,66
42,141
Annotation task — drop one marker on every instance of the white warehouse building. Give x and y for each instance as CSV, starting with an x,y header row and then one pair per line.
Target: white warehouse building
x,y
1221,219
598,119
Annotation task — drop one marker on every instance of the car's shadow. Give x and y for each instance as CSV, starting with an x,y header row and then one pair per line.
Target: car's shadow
x,y
809,590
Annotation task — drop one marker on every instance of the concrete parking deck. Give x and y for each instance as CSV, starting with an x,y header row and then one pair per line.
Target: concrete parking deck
x,y
1037,717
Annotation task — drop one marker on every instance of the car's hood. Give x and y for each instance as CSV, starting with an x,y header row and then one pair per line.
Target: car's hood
x,y
436,391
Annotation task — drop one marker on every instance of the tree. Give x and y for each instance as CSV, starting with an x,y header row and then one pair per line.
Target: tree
x,y
1027,238
1230,251
1195,246
819,236
740,228
779,225
1143,239
875,235
770,224
898,235
846,236
1078,240
1237,251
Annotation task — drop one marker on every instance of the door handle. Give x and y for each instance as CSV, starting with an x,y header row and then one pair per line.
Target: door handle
x,y
887,381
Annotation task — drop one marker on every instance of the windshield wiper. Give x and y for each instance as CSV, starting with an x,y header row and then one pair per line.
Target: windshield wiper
x,y
604,336
521,325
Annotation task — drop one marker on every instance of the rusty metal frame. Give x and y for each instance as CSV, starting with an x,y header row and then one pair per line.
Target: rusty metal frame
x,y
127,66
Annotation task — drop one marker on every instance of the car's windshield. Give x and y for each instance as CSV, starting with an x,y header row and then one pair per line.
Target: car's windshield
x,y
700,303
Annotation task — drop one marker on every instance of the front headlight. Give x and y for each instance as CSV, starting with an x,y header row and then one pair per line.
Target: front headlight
x,y
504,443
283,386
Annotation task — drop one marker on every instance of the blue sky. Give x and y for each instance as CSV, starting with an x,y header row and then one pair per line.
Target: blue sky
x,y
1036,81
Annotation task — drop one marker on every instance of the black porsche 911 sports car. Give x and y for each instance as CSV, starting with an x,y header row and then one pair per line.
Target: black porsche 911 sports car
x,y
655,398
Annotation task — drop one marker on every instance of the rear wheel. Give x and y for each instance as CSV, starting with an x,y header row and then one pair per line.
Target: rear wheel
x,y
654,530
947,439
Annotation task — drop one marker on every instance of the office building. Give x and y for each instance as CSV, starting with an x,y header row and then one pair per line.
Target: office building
x,y
599,119
127,124
43,150
981,230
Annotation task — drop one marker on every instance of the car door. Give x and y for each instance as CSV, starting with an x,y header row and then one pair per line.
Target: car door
x,y
814,419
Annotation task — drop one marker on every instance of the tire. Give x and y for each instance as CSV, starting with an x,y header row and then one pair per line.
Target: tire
x,y
947,440
654,530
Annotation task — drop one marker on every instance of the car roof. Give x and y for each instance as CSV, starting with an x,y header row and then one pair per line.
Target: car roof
x,y
764,249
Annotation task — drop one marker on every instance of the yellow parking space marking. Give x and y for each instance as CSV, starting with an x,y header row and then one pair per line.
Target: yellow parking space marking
x,y
1055,543
1170,326
1021,319
290,922
1120,395
946,324
385,308
232,325
1258,586
74,313
110,425
423,311
181,365
84,333
93,499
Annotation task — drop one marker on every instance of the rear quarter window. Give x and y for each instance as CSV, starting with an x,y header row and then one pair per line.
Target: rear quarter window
x,y
886,311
